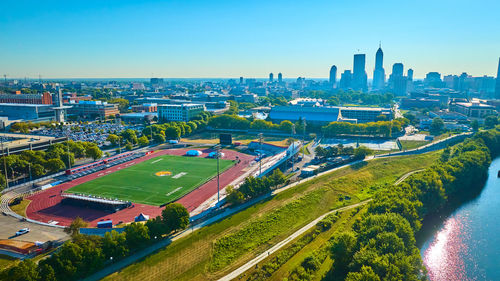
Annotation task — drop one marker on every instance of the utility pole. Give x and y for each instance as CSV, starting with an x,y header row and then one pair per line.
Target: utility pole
x,y
217,151
293,147
5,165
260,154
67,147
304,138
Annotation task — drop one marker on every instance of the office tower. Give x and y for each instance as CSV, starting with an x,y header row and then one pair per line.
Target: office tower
x,y
333,76
241,80
280,77
345,80
359,73
409,79
410,74
397,69
271,77
497,88
433,79
379,72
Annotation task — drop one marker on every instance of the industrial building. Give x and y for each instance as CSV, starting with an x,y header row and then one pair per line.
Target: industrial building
x,y
92,109
327,114
179,112
32,112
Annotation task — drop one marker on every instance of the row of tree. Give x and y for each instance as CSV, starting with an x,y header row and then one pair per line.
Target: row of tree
x,y
380,128
159,133
57,157
382,245
84,255
253,187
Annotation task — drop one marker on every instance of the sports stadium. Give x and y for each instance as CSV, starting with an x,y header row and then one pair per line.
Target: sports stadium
x,y
122,187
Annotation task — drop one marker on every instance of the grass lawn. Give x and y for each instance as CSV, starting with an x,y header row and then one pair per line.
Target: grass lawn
x,y
20,208
217,249
411,144
7,261
141,183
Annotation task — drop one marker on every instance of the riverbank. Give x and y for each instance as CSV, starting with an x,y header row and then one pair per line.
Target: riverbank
x,y
462,242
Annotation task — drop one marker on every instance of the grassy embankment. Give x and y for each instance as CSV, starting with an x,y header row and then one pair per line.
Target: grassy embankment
x,y
216,250
7,261
288,263
20,208
411,144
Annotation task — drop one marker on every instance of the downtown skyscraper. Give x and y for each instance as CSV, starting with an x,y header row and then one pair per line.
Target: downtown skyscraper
x,y
359,78
497,87
379,72
333,76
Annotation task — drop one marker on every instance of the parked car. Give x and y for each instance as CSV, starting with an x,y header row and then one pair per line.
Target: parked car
x,y
22,231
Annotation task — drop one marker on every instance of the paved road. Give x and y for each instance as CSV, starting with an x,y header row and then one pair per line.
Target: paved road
x,y
405,176
9,225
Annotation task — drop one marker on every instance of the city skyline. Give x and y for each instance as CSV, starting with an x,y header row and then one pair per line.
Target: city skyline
x,y
123,39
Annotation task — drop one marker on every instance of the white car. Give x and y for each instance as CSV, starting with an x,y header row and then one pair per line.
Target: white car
x,y
22,231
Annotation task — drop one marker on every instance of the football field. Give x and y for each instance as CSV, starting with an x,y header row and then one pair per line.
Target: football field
x,y
156,181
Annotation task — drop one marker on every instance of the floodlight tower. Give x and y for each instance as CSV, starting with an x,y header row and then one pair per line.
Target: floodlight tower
x,y
260,154
217,151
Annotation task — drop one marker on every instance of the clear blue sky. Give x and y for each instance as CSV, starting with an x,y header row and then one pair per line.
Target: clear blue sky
x,y
215,38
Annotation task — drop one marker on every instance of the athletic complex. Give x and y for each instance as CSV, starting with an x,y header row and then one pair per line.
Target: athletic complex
x,y
140,185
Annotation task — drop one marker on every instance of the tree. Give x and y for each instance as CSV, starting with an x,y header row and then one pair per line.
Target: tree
x,y
159,138
156,227
74,228
129,135
143,141
128,146
366,274
342,249
286,126
490,122
122,103
437,126
114,245
54,165
136,234
113,139
94,152
24,271
361,152
172,133
175,216
474,125
234,196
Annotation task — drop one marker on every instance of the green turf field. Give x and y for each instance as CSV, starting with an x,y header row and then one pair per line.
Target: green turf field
x,y
140,184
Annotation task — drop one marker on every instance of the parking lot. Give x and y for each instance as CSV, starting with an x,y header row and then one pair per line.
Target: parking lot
x,y
9,225
92,132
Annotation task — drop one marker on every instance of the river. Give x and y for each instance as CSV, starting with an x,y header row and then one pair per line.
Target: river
x,y
464,244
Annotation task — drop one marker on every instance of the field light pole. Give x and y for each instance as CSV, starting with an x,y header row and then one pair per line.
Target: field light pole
x,y
260,154
67,146
5,165
293,147
304,138
217,151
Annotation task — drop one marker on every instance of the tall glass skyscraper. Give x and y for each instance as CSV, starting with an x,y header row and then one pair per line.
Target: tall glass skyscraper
x,y
333,76
497,88
379,72
359,73
280,77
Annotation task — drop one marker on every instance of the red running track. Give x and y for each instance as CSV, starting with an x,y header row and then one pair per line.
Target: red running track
x,y
46,206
